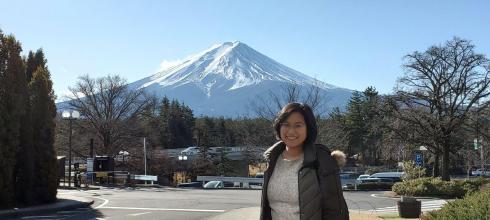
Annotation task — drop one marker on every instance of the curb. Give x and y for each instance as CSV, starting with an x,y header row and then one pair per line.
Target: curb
x,y
62,203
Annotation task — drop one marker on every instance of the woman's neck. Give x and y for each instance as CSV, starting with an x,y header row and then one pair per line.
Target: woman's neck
x,y
293,152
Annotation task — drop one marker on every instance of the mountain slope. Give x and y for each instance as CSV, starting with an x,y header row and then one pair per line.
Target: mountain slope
x,y
224,79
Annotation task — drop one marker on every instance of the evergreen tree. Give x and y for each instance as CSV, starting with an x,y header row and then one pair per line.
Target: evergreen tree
x,y
34,61
12,82
25,155
373,125
355,123
163,120
43,114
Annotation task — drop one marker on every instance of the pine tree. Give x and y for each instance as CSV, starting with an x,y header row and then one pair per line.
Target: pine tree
x,y
355,123
34,61
24,168
43,114
11,110
163,119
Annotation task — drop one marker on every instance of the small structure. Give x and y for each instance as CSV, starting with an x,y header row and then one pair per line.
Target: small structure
x,y
61,168
409,207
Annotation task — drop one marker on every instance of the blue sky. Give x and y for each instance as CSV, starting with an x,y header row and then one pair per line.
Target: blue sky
x,y
352,44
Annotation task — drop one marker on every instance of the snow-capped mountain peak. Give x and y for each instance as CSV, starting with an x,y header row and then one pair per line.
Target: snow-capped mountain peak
x,y
227,66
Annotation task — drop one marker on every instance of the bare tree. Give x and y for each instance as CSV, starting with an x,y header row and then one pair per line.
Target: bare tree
x,y
110,108
437,92
268,106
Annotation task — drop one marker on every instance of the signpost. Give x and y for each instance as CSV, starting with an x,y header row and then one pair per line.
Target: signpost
x,y
90,169
419,159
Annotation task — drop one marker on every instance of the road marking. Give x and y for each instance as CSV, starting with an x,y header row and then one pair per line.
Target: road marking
x,y
136,214
425,206
103,204
40,216
382,197
162,209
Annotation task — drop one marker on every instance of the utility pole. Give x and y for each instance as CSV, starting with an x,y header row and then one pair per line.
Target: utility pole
x,y
144,149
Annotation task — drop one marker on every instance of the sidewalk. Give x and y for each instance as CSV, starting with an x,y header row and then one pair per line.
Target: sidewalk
x,y
64,202
253,213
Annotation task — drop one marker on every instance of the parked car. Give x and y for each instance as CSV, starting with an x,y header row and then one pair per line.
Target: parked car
x,y
214,185
395,176
361,177
190,185
376,180
480,172
190,151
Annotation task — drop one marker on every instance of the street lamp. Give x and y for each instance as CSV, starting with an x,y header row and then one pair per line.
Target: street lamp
x,y
183,158
70,116
423,149
123,154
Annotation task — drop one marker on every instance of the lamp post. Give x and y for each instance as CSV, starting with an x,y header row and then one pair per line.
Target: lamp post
x,y
70,116
183,158
423,149
123,154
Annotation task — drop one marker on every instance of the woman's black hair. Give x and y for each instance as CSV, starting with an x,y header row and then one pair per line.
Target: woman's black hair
x,y
303,109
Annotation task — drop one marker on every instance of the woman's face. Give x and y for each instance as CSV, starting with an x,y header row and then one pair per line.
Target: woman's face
x,y
293,130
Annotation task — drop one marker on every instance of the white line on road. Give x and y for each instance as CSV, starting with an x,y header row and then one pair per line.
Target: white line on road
x,y
136,214
103,204
383,197
425,206
162,209
40,216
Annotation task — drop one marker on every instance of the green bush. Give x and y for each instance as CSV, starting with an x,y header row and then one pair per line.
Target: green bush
x,y
412,171
473,206
374,186
437,187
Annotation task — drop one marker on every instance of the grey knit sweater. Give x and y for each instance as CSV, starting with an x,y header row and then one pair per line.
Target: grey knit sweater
x,y
282,190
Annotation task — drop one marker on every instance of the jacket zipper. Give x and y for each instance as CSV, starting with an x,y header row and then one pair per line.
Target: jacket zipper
x,y
299,193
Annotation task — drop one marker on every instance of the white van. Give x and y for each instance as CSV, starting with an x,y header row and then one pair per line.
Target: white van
x,y
395,176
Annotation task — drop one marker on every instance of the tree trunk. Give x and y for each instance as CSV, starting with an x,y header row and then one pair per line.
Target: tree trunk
x,y
435,168
445,163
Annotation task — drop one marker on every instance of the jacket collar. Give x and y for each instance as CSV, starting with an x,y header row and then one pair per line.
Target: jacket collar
x,y
273,153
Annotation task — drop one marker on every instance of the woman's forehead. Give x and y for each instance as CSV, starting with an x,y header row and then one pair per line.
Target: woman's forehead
x,y
295,117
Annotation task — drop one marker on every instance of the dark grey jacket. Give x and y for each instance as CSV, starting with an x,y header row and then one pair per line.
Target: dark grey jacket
x,y
320,192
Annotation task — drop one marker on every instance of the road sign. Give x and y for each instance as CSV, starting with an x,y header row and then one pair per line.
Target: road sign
x,y
90,164
145,177
418,159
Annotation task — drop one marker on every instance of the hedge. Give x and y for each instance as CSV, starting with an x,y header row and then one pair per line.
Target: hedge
x,y
374,186
473,206
437,187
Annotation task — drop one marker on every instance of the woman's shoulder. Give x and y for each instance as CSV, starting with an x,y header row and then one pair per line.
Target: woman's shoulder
x,y
322,149
273,149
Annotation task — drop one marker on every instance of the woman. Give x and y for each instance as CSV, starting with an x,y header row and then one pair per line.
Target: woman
x,y
302,178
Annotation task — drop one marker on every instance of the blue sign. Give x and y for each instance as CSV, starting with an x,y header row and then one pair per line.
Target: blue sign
x,y
418,159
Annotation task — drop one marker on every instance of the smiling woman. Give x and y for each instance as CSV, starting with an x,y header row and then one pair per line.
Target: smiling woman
x,y
302,178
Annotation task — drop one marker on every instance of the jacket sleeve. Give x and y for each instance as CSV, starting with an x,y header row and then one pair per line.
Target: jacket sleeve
x,y
334,206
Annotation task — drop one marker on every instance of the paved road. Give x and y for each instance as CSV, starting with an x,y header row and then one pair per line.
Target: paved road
x,y
175,203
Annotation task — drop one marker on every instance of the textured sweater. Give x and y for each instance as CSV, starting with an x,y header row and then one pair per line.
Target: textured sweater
x,y
282,190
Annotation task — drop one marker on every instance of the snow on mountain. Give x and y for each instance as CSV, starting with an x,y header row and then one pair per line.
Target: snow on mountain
x,y
224,79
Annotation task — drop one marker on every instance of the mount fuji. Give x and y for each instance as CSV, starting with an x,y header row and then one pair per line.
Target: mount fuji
x,y
226,78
